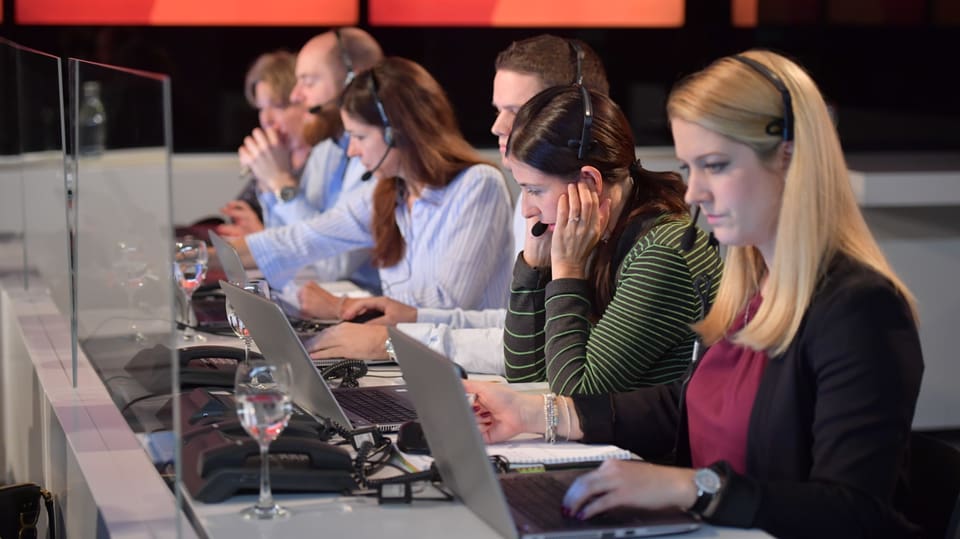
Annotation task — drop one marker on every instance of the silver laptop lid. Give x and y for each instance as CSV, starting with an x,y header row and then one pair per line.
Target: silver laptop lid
x,y
229,259
278,342
450,428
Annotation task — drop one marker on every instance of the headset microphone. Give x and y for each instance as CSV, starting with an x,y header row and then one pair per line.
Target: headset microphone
x,y
369,174
538,229
690,234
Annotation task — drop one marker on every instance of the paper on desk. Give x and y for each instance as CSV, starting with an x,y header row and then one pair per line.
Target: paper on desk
x,y
530,452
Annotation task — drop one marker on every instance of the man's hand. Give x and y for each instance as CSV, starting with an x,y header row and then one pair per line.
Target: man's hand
x,y
243,219
268,157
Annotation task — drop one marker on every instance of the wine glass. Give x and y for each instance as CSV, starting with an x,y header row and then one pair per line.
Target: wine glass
x,y
189,268
264,407
259,287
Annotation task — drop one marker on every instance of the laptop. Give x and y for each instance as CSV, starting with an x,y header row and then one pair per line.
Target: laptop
x,y
233,269
515,505
384,407
229,259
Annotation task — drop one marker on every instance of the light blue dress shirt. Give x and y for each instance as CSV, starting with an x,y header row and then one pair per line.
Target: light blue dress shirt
x,y
458,242
328,174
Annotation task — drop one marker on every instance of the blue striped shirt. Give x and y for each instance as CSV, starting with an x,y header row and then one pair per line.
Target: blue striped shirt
x,y
458,241
328,173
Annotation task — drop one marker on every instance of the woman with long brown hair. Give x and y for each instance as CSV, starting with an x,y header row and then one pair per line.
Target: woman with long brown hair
x,y
436,217
602,300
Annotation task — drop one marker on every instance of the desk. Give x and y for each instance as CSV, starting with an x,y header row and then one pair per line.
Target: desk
x,y
363,516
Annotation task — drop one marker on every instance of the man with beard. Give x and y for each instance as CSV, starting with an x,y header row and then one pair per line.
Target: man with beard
x,y
325,65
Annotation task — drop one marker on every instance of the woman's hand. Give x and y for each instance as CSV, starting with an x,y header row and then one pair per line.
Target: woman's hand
x,y
536,249
502,413
393,311
348,340
243,219
620,483
315,302
581,222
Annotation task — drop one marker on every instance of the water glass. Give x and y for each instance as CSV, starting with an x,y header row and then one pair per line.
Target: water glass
x,y
264,408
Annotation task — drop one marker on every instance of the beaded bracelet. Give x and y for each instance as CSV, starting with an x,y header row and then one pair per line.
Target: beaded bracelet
x,y
550,417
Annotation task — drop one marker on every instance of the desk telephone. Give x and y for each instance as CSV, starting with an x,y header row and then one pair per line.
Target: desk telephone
x,y
220,458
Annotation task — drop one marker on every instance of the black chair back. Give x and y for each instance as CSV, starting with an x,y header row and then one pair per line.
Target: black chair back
x,y
934,486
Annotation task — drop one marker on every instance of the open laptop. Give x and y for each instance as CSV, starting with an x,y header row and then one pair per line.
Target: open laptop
x,y
515,505
384,407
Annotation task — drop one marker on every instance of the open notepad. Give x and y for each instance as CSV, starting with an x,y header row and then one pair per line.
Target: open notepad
x,y
532,452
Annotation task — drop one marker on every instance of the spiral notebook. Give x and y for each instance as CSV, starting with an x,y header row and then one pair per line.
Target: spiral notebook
x,y
533,453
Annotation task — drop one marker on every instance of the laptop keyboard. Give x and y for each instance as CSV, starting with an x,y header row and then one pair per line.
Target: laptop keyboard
x,y
376,406
538,498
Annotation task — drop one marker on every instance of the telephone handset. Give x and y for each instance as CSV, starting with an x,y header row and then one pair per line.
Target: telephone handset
x,y
200,366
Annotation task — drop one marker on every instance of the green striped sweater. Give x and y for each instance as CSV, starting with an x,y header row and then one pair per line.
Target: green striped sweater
x,y
642,339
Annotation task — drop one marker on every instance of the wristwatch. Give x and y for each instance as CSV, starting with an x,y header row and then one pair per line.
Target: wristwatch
x,y
391,353
708,483
288,193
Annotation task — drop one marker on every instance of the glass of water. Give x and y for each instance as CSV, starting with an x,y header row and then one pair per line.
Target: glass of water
x,y
264,407
259,287
189,268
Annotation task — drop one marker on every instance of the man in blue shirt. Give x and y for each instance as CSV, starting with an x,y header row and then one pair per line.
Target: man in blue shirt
x,y
325,65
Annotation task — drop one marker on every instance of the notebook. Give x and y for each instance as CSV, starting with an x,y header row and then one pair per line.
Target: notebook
x,y
534,452
515,505
384,407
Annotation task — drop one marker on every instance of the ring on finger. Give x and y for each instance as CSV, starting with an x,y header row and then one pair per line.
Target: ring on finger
x,y
574,219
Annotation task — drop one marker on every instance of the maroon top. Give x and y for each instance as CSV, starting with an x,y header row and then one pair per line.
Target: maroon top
x,y
720,399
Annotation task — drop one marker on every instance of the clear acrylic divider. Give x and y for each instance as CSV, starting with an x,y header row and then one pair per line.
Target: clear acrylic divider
x,y
121,128
14,105
45,202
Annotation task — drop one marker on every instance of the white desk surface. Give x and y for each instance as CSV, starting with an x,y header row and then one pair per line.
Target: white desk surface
x,y
346,516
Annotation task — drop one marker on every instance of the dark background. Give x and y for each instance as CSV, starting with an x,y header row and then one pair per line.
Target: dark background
x,y
888,66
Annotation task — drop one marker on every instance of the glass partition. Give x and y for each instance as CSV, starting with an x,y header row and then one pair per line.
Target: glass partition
x,y
12,259
125,300
45,201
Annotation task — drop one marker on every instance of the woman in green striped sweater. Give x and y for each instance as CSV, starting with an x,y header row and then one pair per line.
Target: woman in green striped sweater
x,y
602,301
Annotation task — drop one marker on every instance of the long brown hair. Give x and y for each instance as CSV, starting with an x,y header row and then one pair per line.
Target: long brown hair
x,y
543,137
425,132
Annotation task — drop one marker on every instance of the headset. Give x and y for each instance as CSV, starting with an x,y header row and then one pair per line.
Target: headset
x,y
585,141
387,129
780,127
345,57
586,135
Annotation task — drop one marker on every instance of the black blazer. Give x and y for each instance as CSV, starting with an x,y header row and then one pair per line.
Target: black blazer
x,y
828,435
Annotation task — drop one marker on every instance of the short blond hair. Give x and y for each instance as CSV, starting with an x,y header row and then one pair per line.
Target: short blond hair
x,y
274,68
819,216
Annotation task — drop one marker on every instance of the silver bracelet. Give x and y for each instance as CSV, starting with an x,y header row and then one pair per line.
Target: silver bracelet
x,y
550,418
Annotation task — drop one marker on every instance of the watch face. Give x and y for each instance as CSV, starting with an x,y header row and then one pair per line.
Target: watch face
x,y
288,193
707,480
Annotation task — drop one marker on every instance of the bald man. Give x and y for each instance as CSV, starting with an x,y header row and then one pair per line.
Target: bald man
x,y
325,65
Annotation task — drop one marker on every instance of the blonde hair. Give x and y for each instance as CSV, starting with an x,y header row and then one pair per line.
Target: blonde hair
x,y
819,216
273,68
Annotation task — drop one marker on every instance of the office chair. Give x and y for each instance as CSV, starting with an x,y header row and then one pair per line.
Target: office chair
x,y
934,503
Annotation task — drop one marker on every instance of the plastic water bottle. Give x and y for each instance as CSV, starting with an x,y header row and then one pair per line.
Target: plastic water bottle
x,y
92,120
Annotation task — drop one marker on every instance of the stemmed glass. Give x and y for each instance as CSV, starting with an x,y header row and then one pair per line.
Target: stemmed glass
x,y
259,287
264,407
189,268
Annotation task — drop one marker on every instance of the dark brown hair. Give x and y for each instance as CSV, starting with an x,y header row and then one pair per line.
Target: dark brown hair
x,y
425,132
553,60
546,135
